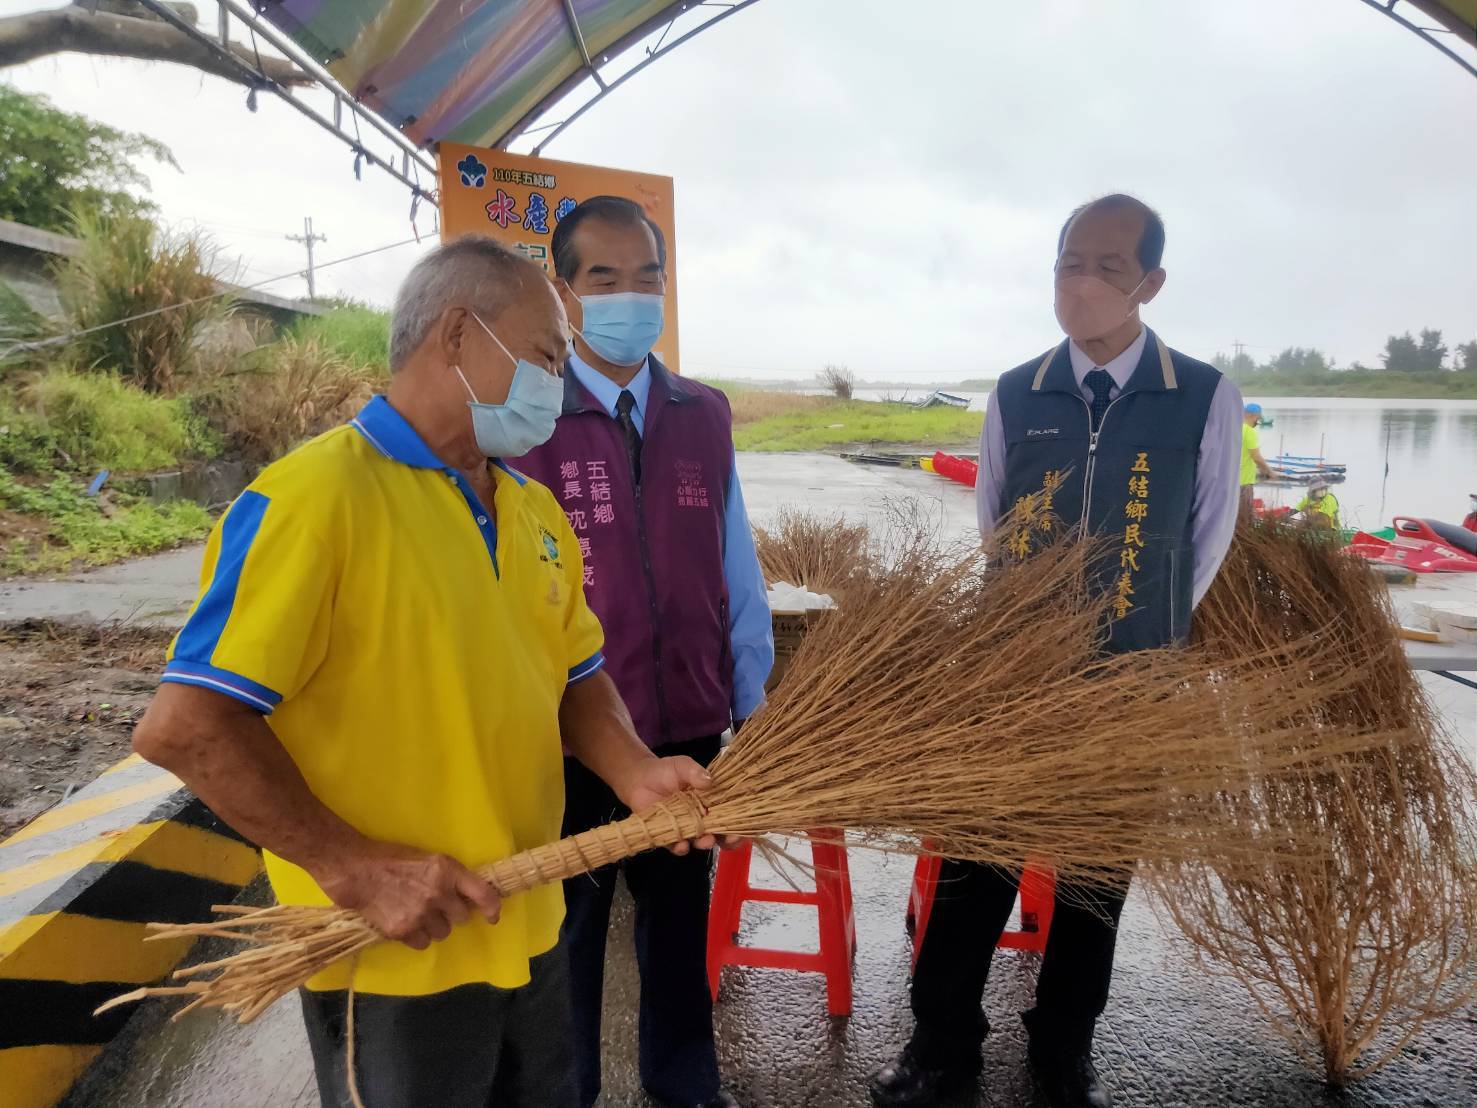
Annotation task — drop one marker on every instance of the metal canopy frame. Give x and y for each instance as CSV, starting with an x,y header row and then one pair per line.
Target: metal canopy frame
x,y
406,161
1451,24
714,12
409,158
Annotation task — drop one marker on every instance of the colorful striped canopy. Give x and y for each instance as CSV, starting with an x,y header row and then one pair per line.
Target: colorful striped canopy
x,y
462,70
482,71
1457,16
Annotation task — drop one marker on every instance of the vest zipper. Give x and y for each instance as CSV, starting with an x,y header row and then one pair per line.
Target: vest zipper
x,y
1092,437
656,633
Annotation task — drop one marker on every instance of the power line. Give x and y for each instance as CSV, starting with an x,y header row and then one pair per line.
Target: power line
x,y
58,340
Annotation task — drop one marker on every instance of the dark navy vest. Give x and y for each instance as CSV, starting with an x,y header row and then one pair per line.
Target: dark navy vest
x,y
1132,484
653,553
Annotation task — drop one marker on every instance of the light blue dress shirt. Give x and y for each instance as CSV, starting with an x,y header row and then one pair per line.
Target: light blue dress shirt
x,y
751,634
1217,470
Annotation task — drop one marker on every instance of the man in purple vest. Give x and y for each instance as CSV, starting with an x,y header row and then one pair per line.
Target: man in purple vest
x,y
643,464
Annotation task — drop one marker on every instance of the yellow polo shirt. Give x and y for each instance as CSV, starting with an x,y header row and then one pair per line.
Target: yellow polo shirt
x,y
411,652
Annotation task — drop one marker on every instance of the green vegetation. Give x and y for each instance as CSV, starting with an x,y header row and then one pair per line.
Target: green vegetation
x,y
771,420
173,386
58,165
1415,369
82,529
838,423
91,421
357,332
1374,383
288,391
127,269
59,429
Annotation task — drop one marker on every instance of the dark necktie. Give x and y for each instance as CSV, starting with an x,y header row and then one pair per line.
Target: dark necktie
x,y
623,408
1101,385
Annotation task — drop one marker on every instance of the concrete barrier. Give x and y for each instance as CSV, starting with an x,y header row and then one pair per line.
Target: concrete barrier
x,y
77,886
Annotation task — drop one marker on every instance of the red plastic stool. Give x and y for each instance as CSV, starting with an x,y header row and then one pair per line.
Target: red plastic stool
x,y
1037,898
832,900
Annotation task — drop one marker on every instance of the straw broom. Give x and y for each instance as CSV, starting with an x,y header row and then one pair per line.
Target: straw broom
x,y
944,702
821,554
1351,949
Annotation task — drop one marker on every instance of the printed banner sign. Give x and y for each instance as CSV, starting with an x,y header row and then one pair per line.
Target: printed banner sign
x,y
519,200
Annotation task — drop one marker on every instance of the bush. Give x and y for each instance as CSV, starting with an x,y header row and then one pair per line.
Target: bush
x,y
26,442
127,267
839,381
288,392
358,332
97,421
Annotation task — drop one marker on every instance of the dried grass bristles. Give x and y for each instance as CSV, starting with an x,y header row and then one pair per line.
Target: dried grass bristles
x,y
954,701
1351,949
824,554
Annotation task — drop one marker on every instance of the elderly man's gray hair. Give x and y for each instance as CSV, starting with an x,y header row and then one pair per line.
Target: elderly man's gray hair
x,y
472,271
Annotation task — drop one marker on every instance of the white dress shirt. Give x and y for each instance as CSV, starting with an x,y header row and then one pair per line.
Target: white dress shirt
x,y
1217,468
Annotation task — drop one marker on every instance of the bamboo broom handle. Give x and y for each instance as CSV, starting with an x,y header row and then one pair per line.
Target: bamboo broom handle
x,y
675,819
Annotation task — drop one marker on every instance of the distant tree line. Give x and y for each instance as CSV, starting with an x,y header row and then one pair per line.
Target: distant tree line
x,y
1407,353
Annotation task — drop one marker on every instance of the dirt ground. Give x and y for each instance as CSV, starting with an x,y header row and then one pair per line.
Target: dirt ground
x,y
69,697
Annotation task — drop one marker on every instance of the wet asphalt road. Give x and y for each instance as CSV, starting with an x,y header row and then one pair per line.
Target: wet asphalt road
x,y
1173,1034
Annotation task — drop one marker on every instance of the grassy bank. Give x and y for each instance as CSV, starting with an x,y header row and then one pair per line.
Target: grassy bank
x,y
776,421
1376,384
55,526
58,428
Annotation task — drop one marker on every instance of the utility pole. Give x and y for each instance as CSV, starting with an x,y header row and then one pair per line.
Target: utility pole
x,y
307,238
1238,346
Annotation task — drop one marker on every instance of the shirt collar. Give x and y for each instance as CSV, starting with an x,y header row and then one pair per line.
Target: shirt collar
x,y
1120,368
606,392
391,434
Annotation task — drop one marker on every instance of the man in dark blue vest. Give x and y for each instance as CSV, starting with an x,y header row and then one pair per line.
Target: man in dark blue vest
x,y
1139,444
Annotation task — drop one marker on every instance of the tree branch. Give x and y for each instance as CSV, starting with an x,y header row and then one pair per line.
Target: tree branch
x,y
24,38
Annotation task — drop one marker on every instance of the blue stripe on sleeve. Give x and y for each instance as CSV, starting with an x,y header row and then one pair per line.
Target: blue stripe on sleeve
x,y
224,681
202,633
588,668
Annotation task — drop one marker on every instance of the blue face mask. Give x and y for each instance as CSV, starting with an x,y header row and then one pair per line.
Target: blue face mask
x,y
523,421
622,327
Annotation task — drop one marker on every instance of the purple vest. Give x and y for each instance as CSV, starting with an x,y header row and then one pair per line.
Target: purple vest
x,y
654,553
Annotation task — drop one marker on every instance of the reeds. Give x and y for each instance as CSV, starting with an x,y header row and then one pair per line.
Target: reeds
x,y
1350,949
945,700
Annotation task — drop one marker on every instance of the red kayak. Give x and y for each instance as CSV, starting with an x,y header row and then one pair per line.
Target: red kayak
x,y
1421,545
956,469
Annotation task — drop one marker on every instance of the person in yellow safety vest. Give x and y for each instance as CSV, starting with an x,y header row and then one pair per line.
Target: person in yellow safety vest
x,y
1253,465
1320,508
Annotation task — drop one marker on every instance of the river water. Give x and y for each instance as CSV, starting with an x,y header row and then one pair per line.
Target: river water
x,y
1430,445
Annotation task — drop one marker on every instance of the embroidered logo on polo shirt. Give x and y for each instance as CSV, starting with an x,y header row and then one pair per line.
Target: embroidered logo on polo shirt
x,y
551,548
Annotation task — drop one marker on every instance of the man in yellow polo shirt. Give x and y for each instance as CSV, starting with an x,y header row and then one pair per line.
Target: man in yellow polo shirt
x,y
390,643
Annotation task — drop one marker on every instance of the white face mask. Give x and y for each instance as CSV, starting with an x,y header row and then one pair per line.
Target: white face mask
x,y
523,421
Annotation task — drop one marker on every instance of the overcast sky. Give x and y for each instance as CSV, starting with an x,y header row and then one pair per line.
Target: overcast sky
x,y
880,184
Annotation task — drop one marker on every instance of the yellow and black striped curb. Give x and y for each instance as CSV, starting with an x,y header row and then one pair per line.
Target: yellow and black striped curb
x,y
77,886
